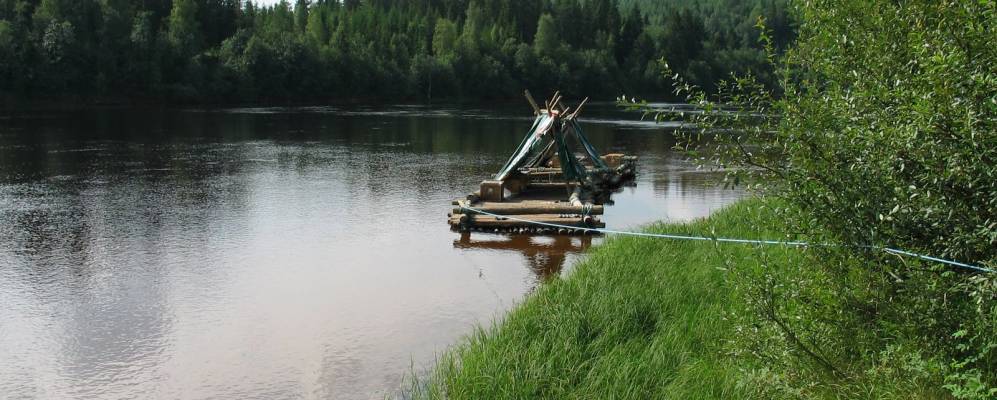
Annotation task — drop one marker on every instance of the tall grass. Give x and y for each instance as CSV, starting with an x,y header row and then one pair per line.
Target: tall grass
x,y
639,318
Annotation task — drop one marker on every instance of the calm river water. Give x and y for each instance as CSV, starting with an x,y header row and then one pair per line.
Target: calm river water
x,y
272,253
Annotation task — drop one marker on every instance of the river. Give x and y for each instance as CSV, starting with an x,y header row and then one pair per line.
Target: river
x,y
274,252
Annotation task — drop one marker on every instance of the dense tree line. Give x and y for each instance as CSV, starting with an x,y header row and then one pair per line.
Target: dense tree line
x,y
231,50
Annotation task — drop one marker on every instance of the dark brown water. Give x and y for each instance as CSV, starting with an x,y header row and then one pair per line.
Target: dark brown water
x,y
272,253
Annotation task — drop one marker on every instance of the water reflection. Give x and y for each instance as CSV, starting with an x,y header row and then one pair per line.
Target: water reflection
x,y
544,255
275,253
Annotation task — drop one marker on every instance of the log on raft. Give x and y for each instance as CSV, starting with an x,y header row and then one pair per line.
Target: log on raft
x,y
538,207
487,221
553,185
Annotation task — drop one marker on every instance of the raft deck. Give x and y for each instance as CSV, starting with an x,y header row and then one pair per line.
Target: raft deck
x,y
538,195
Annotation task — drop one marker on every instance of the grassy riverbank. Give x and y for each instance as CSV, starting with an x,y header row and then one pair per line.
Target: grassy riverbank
x,y
640,318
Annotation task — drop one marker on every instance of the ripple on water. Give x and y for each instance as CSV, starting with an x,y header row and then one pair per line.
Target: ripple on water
x,y
273,252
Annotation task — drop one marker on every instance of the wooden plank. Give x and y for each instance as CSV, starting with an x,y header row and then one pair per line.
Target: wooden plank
x,y
522,244
551,185
487,221
531,207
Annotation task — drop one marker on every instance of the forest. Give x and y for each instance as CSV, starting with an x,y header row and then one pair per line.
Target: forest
x,y
354,50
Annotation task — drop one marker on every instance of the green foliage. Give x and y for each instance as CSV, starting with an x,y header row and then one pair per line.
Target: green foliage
x,y
58,41
648,318
546,41
182,28
880,133
640,318
229,50
7,40
445,39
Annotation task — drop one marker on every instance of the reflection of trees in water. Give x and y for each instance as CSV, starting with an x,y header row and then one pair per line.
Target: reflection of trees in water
x,y
545,255
688,182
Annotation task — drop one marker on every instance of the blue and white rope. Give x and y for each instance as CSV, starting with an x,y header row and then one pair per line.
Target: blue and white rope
x,y
730,240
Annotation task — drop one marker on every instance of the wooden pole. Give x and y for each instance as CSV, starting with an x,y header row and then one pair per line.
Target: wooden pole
x,y
533,103
579,108
554,101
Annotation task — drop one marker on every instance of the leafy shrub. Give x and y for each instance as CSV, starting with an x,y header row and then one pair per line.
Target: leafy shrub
x,y
882,135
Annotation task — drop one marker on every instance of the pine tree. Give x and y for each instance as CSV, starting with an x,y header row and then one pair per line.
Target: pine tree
x,y
301,14
183,30
546,42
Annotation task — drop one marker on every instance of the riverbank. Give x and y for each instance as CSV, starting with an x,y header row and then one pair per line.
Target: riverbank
x,y
640,317
647,318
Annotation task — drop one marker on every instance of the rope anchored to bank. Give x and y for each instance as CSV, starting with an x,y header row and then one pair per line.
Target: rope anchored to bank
x,y
732,240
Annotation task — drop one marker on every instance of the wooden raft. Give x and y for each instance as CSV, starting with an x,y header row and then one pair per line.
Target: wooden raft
x,y
538,194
